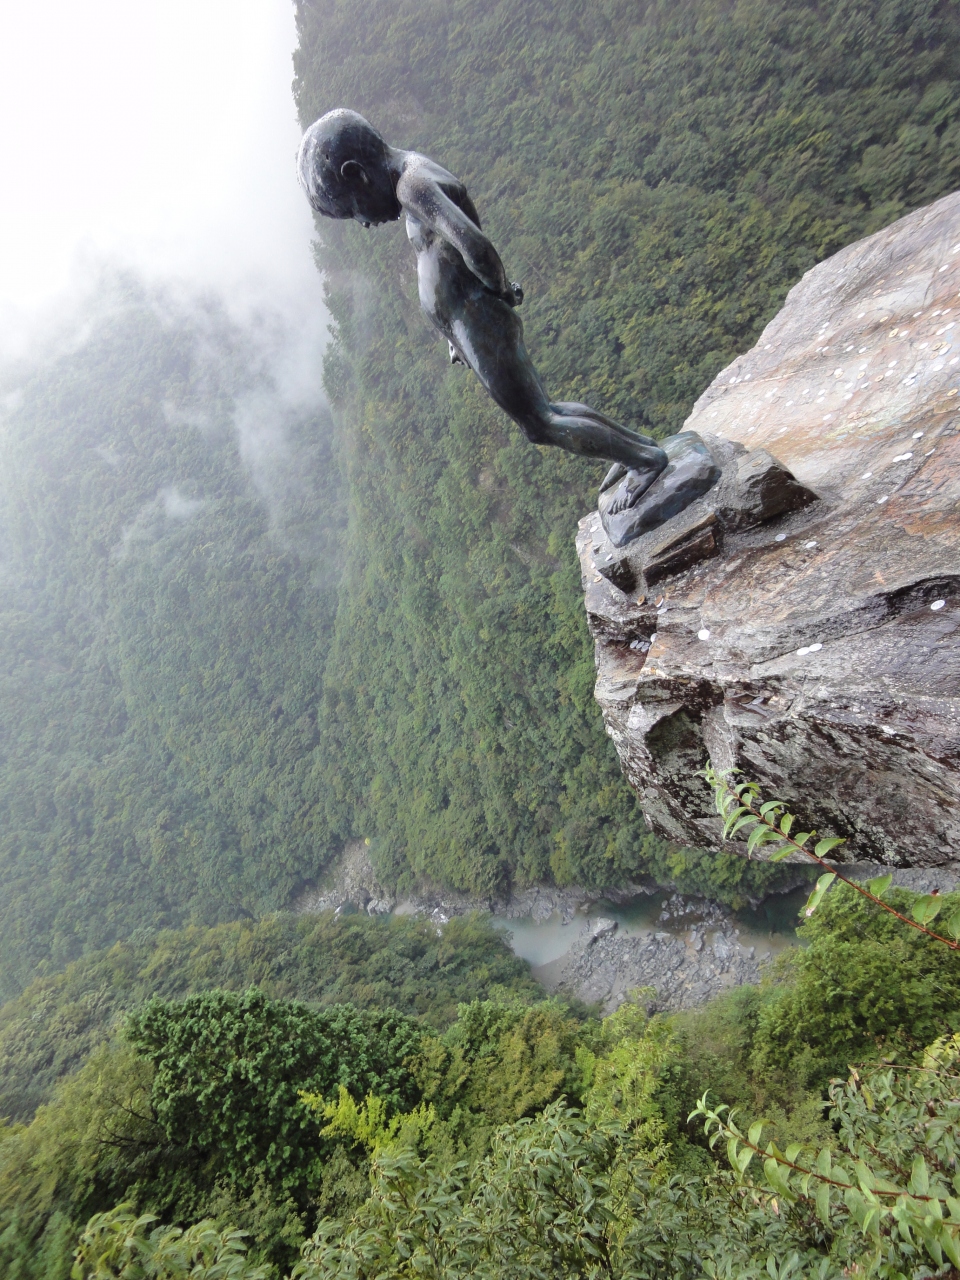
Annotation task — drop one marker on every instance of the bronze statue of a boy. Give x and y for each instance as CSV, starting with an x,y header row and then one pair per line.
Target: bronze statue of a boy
x,y
348,171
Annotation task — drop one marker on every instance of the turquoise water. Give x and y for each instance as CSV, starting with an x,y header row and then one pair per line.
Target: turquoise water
x,y
770,927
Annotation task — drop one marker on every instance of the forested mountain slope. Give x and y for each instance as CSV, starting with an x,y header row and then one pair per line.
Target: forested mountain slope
x,y
51,1028
430,1147
162,636
656,175
223,653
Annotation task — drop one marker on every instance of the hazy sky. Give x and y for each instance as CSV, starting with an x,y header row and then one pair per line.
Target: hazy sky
x,y
160,132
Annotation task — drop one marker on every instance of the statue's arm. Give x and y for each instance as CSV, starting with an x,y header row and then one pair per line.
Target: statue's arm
x,y
430,205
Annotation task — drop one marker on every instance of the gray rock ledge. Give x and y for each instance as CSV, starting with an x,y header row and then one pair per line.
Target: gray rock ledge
x,y
818,651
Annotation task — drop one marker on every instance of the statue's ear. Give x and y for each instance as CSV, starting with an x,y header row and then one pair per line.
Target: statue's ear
x,y
353,171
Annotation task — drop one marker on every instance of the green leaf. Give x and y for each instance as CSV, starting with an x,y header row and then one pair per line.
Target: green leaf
x,y
824,846
919,1177
761,835
823,884
871,1222
777,1176
950,1242
756,1129
865,1176
823,1203
879,885
926,908
778,855
786,822
953,925
747,821
732,819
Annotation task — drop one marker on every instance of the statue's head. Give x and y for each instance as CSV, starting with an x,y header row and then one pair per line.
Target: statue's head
x,y
344,168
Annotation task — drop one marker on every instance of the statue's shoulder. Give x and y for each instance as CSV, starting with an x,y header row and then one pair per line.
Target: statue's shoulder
x,y
420,175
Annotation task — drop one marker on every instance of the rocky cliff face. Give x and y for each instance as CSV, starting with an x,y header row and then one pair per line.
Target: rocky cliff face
x,y
817,649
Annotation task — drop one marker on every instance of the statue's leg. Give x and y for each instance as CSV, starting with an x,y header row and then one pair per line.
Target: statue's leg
x,y
573,408
643,475
594,436
489,334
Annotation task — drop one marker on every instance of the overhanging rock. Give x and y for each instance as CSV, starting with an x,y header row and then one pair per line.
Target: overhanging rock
x,y
801,621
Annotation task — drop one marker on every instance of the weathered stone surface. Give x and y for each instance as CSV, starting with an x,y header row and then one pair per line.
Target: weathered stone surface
x,y
764,489
601,928
818,651
684,972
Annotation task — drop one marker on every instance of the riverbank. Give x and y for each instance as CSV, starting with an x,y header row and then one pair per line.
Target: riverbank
x,y
593,945
598,946
683,972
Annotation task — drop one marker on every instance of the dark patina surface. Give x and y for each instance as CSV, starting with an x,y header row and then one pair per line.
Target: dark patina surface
x,y
349,171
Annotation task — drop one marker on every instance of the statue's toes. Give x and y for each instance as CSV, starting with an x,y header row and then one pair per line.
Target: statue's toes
x,y
616,472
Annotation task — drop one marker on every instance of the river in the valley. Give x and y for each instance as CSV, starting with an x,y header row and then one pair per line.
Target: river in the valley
x,y
768,928
685,949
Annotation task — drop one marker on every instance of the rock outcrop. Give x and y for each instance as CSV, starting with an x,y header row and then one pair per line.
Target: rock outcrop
x,y
815,646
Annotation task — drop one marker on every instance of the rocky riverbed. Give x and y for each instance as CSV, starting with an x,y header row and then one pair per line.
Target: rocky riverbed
x,y
682,971
688,951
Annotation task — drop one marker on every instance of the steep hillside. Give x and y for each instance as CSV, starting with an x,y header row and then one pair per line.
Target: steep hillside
x,y
162,635
235,633
657,176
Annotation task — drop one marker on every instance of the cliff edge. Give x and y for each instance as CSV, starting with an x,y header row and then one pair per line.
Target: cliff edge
x,y
818,650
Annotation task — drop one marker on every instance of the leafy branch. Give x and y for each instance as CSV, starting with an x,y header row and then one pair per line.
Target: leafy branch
x,y
875,1204
770,822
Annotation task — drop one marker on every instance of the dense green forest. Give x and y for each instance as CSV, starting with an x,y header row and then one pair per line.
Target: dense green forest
x,y
384,1131
220,659
48,1031
163,628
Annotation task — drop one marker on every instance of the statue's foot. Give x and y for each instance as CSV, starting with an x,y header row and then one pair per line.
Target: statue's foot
x,y
633,503
631,482
616,472
630,492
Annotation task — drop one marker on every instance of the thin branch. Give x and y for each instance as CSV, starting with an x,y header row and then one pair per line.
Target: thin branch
x,y
799,1168
832,867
